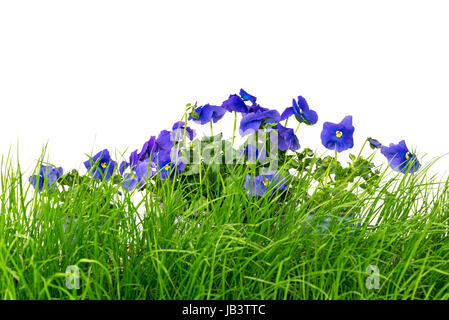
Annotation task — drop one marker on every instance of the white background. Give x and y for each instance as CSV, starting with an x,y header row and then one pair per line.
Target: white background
x,y
89,75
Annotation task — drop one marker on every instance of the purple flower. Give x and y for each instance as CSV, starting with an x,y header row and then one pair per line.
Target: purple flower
x,y
164,141
130,181
169,164
133,159
338,135
374,144
47,175
260,184
247,97
301,111
400,158
235,103
285,138
251,122
208,113
101,165
141,173
178,131
150,147
255,108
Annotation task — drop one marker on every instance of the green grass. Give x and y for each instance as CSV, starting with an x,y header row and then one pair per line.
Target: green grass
x,y
188,245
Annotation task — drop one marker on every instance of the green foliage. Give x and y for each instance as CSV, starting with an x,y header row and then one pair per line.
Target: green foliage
x,y
200,236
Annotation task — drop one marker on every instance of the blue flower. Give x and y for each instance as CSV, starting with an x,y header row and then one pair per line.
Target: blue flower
x,y
235,103
301,111
374,144
251,122
169,164
48,175
149,148
255,108
338,135
400,158
101,164
133,159
285,138
260,184
141,173
208,113
130,181
247,97
178,131
164,141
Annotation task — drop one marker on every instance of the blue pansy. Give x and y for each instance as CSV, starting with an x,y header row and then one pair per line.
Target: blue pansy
x,y
179,128
141,173
48,175
255,108
260,184
235,103
301,111
169,164
400,158
101,164
133,159
338,136
149,148
164,141
285,138
374,144
208,113
130,181
247,97
251,122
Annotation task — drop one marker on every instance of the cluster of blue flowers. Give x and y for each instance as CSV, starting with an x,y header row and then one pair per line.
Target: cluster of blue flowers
x,y
160,156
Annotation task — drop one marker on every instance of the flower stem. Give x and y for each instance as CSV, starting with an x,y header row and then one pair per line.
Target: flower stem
x,y
330,166
235,125
211,129
286,121
297,127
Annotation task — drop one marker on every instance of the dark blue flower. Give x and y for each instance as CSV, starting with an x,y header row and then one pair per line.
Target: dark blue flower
x,y
133,159
208,113
235,103
247,97
255,108
101,165
260,184
338,135
149,148
130,181
164,141
285,138
141,173
251,122
301,111
47,175
178,131
374,144
400,158
169,164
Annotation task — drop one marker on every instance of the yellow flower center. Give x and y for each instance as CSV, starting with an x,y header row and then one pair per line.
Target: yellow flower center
x,y
104,165
338,134
167,167
407,155
266,182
